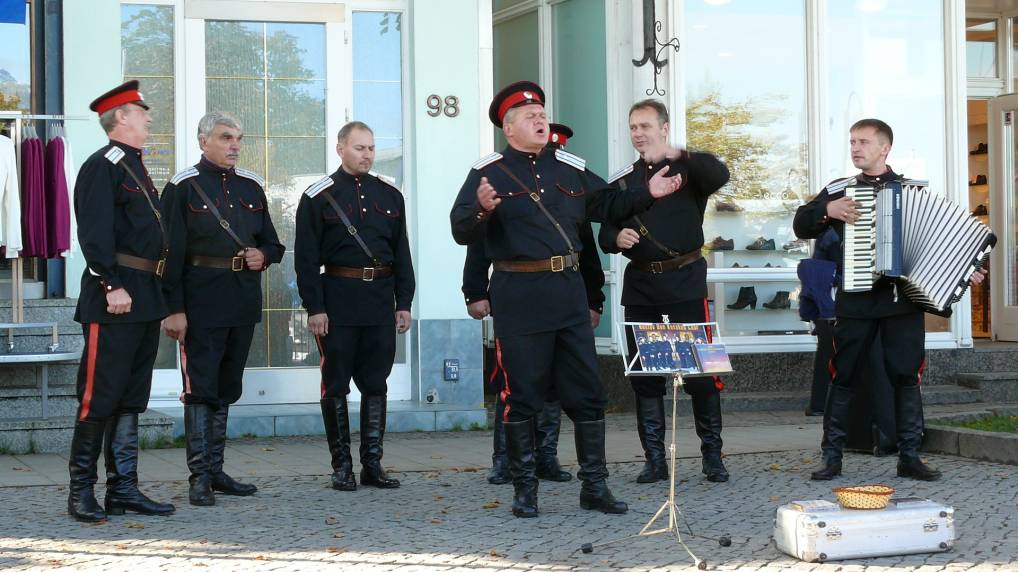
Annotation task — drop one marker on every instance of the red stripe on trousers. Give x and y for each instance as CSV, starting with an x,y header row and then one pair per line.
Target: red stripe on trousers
x,y
830,363
183,369
321,363
710,339
505,376
93,349
919,374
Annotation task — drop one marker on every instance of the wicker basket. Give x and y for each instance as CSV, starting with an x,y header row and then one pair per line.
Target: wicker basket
x,y
864,497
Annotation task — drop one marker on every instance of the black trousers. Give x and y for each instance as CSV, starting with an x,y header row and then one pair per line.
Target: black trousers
x,y
564,360
115,372
902,339
364,353
691,311
824,330
212,364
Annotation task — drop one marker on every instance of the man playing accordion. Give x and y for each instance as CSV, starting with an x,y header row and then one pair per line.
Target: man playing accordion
x,y
862,315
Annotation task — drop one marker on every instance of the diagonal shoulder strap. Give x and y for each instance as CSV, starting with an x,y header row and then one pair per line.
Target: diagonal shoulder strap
x,y
152,205
215,212
350,227
537,199
645,232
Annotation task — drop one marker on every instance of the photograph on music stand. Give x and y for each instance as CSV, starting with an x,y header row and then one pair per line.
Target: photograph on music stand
x,y
688,349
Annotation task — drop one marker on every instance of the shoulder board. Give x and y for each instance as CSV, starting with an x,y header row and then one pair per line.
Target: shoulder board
x,y
320,185
839,185
390,181
915,183
250,175
486,160
115,154
620,173
184,175
570,159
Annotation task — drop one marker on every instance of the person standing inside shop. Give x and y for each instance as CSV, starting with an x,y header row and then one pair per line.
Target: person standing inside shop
x,y
354,224
125,244
667,275
221,240
861,317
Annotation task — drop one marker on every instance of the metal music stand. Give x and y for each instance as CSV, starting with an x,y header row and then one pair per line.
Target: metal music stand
x,y
669,507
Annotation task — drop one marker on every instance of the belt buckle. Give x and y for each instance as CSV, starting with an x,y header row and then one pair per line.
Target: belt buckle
x,y
561,263
368,274
237,263
160,267
656,267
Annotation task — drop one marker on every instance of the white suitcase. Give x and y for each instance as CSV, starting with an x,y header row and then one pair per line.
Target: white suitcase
x,y
817,531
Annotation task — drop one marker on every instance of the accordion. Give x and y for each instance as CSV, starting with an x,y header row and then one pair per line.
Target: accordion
x,y
931,244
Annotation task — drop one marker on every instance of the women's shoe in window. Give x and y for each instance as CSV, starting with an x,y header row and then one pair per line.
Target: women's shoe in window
x,y
721,244
762,243
747,297
979,180
727,206
980,211
801,245
979,150
780,301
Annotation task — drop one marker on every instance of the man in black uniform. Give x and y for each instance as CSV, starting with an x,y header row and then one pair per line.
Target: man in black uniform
x,y
221,239
475,290
354,224
527,206
667,275
862,315
121,303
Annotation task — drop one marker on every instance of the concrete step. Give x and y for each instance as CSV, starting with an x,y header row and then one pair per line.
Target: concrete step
x,y
28,375
22,402
306,419
995,387
53,435
950,394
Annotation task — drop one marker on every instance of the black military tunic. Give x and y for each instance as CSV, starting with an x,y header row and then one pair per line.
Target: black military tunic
x,y
677,222
222,305
361,341
114,217
861,315
543,326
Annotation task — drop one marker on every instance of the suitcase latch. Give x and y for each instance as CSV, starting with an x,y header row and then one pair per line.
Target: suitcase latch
x,y
834,534
930,526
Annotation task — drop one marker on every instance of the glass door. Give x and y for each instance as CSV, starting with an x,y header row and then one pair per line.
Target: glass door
x,y
1002,119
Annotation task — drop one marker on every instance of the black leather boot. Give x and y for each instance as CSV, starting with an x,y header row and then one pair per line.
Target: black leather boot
x,y
549,423
594,493
523,466
650,425
779,302
122,492
707,420
197,438
908,403
747,297
839,400
499,473
85,448
372,434
336,417
221,482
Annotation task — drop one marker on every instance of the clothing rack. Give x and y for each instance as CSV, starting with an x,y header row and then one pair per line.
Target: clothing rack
x,y
18,120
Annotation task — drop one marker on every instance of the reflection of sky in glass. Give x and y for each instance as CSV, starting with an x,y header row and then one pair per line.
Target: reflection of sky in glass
x,y
376,55
15,56
378,87
310,41
980,48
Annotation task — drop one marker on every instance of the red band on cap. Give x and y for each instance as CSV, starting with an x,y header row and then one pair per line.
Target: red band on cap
x,y
559,138
118,100
516,99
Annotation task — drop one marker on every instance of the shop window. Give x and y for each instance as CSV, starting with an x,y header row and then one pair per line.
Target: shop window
x,y
15,58
378,86
981,47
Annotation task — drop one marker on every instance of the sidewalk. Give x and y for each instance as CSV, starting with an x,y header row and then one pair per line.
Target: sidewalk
x,y
446,516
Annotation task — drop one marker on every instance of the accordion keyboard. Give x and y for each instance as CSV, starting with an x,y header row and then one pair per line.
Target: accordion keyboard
x,y
860,242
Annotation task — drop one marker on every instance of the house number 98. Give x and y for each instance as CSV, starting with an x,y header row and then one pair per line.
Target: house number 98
x,y
450,106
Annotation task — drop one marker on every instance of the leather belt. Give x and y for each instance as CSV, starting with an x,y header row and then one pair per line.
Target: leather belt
x,y
236,264
659,266
553,264
144,264
366,274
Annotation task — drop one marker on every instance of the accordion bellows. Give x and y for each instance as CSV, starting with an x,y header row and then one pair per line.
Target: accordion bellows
x,y
904,231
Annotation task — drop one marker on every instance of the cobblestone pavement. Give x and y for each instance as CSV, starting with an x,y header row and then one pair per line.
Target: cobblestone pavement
x,y
454,520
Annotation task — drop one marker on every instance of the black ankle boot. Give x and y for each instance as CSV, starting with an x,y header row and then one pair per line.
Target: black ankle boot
x,y
197,437
372,435
549,423
523,466
85,448
650,425
780,301
336,417
706,401
908,403
836,412
499,473
122,492
594,493
747,297
221,482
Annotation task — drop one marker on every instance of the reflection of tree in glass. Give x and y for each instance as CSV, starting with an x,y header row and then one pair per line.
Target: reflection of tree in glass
x,y
9,102
761,167
384,22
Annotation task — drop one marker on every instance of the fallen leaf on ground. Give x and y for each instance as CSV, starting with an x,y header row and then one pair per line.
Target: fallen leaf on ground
x,y
808,461
335,550
470,470
495,553
436,521
492,504
260,557
121,547
775,467
338,535
268,449
444,511
201,564
775,498
439,497
331,520
135,525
